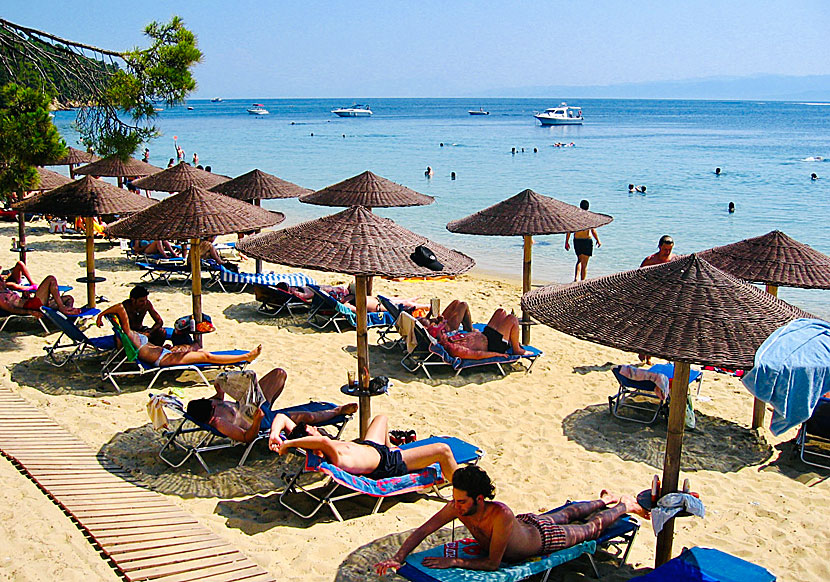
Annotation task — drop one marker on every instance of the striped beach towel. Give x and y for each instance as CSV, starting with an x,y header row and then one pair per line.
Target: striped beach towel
x,y
292,279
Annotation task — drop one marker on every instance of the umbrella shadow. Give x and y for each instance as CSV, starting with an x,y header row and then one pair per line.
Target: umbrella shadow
x,y
247,313
595,368
359,565
113,264
85,379
137,450
714,445
789,464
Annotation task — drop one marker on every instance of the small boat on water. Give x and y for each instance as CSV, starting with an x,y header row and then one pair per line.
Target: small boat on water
x,y
157,109
353,111
216,100
562,115
258,109
479,112
189,108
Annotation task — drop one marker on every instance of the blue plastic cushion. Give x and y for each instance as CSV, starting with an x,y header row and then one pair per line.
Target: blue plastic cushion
x,y
463,451
414,569
708,565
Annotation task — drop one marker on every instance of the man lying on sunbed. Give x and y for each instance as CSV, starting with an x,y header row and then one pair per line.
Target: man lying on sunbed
x,y
225,416
500,335
346,296
374,456
506,537
176,355
47,293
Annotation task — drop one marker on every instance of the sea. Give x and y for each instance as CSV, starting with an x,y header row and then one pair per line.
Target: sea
x,y
767,151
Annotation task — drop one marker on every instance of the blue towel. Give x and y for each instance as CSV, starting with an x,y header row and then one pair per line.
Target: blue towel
x,y
792,371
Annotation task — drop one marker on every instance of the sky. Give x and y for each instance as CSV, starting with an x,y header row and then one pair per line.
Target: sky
x,y
433,48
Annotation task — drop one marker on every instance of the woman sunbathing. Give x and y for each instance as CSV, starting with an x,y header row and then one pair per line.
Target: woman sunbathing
x,y
500,335
177,355
48,293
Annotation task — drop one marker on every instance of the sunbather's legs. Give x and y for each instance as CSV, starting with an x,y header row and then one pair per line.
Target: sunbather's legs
x,y
154,248
424,456
17,271
508,325
378,431
48,289
201,357
457,314
597,523
272,384
319,417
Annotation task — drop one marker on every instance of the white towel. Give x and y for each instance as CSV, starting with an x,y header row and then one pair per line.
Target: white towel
x,y
670,505
155,409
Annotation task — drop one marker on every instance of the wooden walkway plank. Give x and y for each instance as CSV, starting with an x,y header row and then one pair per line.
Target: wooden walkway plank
x,y
192,568
141,552
180,557
234,570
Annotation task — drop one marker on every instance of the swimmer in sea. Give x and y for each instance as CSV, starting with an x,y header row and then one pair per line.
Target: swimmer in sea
x,y
717,171
428,172
731,208
814,176
630,188
641,189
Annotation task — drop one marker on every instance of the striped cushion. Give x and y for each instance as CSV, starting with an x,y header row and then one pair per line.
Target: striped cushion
x,y
292,279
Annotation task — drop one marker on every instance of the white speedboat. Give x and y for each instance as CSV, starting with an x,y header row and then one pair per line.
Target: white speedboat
x,y
562,115
257,109
480,111
216,100
353,111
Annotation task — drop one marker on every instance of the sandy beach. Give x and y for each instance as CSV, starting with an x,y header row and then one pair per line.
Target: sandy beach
x,y
547,435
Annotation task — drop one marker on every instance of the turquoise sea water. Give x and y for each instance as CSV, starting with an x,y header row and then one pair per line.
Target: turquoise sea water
x,y
672,147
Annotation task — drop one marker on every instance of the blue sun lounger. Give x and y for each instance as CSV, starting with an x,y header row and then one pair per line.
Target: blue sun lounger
x,y
619,536
639,395
326,310
336,478
429,353
223,276
192,438
72,344
707,565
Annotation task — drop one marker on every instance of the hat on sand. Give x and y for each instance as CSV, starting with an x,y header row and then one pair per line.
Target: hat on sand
x,y
423,257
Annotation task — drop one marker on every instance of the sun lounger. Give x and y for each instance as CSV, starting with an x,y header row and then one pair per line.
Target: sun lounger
x,y
813,439
125,362
355,485
223,276
274,301
618,537
429,353
707,565
192,438
164,271
385,339
6,316
326,310
73,343
640,395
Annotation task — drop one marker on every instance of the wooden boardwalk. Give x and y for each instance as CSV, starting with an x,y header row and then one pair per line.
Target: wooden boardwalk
x,y
144,536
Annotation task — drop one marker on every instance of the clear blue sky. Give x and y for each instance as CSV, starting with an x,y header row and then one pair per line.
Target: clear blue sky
x,y
431,48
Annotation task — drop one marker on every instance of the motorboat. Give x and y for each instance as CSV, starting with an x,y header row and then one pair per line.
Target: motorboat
x,y
258,109
480,111
562,115
353,111
216,100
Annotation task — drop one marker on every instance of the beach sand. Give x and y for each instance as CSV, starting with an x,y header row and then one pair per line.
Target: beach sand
x,y
547,435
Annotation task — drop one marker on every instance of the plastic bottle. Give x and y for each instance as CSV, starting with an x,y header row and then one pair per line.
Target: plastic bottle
x,y
655,489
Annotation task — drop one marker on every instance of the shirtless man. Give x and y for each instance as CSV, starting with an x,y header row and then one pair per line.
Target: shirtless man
x,y
663,255
47,293
224,415
138,306
506,537
583,246
500,335
374,456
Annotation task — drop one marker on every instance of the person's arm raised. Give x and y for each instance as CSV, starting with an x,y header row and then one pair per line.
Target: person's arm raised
x,y
234,432
437,521
281,423
158,323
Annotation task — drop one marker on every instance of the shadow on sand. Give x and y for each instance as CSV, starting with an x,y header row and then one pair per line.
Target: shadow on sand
x,y
789,464
359,565
714,445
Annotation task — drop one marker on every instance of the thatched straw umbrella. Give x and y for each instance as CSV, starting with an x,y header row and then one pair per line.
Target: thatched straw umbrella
x,y
776,260
528,214
88,198
355,242
47,180
195,213
257,185
113,166
685,311
368,190
73,158
178,178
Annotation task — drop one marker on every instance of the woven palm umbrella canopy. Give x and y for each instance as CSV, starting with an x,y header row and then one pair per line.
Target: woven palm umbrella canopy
x,y
369,190
355,242
47,180
178,178
528,214
686,311
258,185
87,198
115,167
75,157
195,213
775,260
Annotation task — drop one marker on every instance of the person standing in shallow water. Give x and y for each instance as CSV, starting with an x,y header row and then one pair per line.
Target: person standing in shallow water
x,y
583,247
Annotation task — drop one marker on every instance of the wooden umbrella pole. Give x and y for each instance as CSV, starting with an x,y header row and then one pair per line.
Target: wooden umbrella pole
x,y
256,202
120,181
90,260
72,171
759,407
362,354
196,280
674,445
526,277
21,236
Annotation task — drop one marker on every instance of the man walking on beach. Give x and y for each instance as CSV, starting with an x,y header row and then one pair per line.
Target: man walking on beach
x,y
507,537
583,246
663,255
